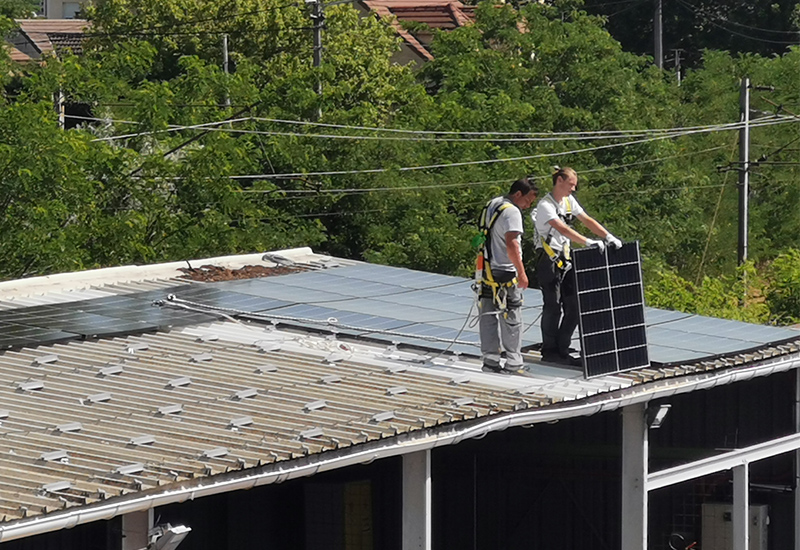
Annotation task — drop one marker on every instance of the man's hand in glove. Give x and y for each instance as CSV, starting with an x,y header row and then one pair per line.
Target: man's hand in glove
x,y
600,245
614,242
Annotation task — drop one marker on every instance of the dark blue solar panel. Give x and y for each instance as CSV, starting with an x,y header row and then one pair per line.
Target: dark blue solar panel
x,y
611,305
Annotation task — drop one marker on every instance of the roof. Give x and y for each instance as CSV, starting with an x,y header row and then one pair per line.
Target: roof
x,y
53,35
231,384
436,14
16,54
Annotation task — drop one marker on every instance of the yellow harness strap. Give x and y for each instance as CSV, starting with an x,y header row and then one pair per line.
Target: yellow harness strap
x,y
559,261
498,297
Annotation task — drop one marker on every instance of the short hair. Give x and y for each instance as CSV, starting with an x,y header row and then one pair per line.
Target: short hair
x,y
524,186
563,173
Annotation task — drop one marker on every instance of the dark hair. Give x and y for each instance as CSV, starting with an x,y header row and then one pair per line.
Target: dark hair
x,y
564,172
524,186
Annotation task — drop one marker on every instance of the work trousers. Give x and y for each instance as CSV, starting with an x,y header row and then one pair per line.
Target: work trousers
x,y
560,297
502,329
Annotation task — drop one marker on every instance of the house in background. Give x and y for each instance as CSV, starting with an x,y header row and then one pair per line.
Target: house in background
x,y
325,403
428,16
36,38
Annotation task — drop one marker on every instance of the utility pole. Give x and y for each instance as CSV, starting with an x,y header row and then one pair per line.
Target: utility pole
x,y
225,67
744,166
658,49
677,52
318,17
60,108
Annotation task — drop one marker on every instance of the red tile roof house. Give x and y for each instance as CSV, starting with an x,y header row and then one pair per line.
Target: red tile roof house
x,y
35,38
436,14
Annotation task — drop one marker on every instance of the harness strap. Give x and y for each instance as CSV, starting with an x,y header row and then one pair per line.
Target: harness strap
x,y
499,290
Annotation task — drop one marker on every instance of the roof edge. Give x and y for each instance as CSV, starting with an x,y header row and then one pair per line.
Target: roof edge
x,y
431,438
129,273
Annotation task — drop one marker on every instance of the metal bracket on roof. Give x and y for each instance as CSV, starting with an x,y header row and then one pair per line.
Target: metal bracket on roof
x,y
170,409
461,379
245,393
110,369
45,359
330,379
463,401
266,368
98,397
56,487
334,357
4,413
240,422
130,469
397,390
267,345
55,456
311,433
200,357
30,385
208,338
395,369
142,440
178,382
69,427
315,405
133,348
216,452
383,416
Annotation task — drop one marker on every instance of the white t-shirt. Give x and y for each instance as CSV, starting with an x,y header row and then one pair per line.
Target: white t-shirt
x,y
510,219
548,209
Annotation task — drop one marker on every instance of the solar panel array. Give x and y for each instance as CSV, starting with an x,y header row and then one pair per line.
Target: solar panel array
x,y
421,309
611,305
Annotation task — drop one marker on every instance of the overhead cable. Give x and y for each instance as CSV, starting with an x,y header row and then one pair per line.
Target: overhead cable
x,y
358,190
708,19
487,161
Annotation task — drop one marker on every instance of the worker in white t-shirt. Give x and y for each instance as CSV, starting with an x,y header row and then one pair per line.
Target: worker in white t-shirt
x,y
552,219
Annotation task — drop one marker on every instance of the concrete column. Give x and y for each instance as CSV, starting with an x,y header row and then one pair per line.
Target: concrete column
x,y
797,461
135,527
634,477
741,507
417,501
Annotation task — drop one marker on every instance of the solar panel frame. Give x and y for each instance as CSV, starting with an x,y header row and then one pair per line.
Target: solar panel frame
x,y
612,324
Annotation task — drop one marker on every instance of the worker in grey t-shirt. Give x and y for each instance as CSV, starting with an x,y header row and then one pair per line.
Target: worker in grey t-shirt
x,y
504,278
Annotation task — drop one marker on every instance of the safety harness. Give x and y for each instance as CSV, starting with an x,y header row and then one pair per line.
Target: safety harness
x,y
562,259
483,274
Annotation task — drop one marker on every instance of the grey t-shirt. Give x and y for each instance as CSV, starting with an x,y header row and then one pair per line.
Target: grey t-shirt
x,y
510,219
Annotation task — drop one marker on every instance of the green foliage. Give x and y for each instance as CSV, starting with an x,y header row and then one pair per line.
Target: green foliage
x,y
731,297
783,296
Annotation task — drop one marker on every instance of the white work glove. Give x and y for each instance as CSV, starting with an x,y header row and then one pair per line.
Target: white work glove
x,y
611,240
600,245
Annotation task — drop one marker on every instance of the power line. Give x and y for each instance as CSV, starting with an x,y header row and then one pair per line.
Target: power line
x,y
542,136
696,12
486,133
357,190
490,161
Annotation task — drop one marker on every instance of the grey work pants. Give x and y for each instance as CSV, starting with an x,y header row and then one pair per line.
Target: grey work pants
x,y
501,330
559,296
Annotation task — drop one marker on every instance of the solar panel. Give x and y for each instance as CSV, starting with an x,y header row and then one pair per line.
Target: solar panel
x,y
611,306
